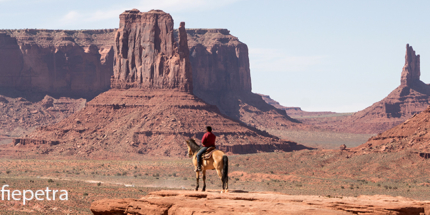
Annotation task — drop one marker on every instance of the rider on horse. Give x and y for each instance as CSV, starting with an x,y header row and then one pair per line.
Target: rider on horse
x,y
208,140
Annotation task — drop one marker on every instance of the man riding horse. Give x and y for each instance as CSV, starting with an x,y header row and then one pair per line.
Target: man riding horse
x,y
208,140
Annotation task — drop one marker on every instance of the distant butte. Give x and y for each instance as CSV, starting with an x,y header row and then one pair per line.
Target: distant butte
x,y
411,97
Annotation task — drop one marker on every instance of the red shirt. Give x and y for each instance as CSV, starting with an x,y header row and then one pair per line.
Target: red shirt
x,y
208,139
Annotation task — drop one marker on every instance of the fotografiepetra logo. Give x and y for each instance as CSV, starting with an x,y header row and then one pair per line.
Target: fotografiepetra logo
x,y
27,195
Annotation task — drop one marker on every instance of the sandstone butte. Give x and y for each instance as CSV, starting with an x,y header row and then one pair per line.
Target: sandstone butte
x,y
241,202
80,64
222,77
411,97
150,109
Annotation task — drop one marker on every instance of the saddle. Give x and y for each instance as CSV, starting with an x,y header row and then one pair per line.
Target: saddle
x,y
208,154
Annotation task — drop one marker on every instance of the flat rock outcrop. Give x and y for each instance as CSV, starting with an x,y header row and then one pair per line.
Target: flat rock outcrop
x,y
242,202
146,55
56,62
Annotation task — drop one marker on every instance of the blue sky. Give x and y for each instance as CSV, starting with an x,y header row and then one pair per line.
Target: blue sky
x,y
331,55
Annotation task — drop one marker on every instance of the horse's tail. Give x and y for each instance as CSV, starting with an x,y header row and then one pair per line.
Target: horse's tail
x,y
225,172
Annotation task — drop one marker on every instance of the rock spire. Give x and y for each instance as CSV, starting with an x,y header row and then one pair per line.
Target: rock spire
x,y
411,70
146,55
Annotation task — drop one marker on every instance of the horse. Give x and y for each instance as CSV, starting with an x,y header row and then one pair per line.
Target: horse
x,y
218,161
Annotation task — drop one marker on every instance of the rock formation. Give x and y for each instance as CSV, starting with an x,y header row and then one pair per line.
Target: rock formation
x,y
413,134
79,64
56,62
411,70
18,116
129,123
146,55
221,77
411,97
146,114
293,111
242,202
219,61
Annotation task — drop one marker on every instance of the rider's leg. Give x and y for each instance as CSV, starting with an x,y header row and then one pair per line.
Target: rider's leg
x,y
199,158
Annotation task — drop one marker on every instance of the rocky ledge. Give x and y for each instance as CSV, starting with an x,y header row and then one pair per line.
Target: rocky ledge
x,y
242,202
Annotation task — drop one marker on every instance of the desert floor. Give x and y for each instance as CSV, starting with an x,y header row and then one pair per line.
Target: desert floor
x,y
328,173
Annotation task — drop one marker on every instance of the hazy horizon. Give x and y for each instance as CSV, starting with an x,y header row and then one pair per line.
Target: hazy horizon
x,y
320,56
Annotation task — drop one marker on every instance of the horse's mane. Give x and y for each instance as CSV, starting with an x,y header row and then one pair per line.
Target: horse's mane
x,y
193,145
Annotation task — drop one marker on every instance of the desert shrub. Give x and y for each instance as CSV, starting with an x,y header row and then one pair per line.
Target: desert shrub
x,y
50,180
85,194
98,184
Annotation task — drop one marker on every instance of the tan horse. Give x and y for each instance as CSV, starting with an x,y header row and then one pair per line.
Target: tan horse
x,y
218,161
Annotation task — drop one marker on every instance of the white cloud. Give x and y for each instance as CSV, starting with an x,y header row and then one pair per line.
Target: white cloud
x,y
76,18
183,5
71,17
277,61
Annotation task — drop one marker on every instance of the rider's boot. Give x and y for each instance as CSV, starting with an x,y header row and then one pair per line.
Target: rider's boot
x,y
199,167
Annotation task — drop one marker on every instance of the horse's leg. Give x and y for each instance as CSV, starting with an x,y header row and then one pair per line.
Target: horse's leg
x,y
204,180
197,181
218,171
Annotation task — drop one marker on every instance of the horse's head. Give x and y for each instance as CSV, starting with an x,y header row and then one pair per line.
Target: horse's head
x,y
190,151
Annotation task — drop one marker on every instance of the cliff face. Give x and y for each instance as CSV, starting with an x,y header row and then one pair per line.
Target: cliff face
x,y
146,55
64,63
221,77
220,61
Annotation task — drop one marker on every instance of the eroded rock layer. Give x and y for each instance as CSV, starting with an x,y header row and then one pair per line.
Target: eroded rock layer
x,y
146,55
413,134
57,62
126,123
18,116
